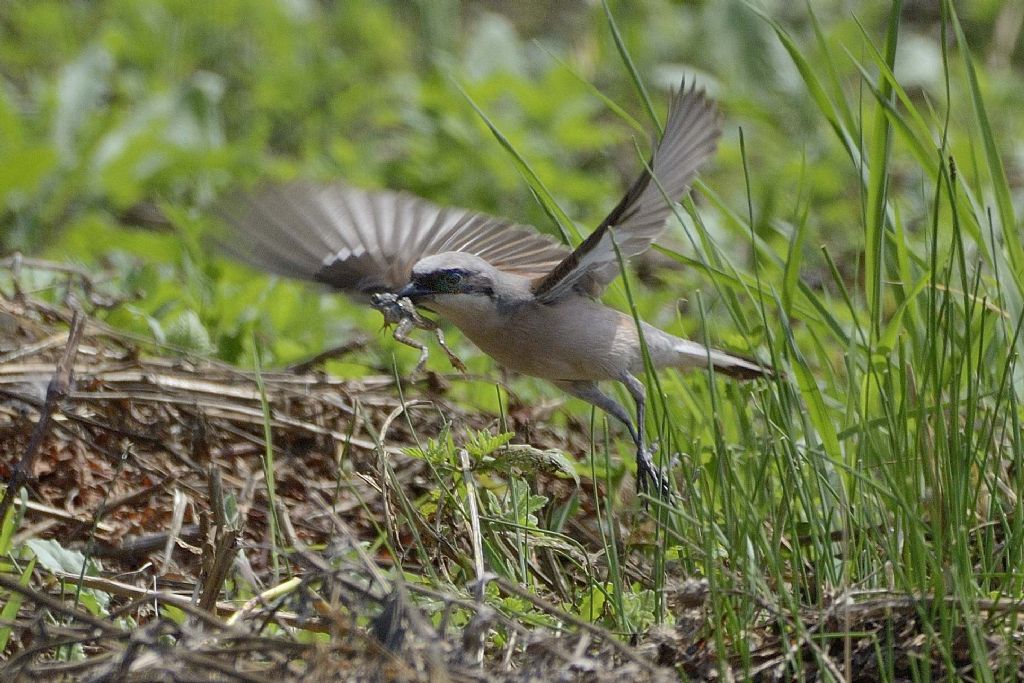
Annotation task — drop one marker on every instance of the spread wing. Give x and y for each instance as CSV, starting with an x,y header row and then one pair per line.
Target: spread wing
x,y
362,241
691,134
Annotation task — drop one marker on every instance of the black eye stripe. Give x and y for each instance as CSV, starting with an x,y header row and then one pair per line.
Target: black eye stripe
x,y
447,281
442,280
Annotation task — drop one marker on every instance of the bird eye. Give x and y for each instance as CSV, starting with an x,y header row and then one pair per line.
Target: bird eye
x,y
447,281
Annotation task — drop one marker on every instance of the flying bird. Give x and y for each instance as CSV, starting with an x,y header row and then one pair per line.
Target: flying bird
x,y
521,297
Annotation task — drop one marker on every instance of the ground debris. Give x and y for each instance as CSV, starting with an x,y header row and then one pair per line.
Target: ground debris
x,y
126,474
154,469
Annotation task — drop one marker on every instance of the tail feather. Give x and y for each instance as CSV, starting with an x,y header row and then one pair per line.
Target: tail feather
x,y
691,355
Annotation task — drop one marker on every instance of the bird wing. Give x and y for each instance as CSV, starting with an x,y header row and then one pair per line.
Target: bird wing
x,y
691,134
363,241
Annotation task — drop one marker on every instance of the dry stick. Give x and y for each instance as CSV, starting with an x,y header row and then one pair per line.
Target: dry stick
x,y
476,635
474,523
226,538
348,347
44,600
387,473
57,669
55,393
22,661
210,620
177,522
133,547
17,260
226,669
62,516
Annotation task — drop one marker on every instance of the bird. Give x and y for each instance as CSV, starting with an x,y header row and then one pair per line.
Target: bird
x,y
523,298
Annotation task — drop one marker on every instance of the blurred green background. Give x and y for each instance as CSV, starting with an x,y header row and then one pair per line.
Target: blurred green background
x,y
121,120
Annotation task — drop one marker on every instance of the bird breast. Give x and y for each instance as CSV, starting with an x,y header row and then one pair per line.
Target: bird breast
x,y
573,339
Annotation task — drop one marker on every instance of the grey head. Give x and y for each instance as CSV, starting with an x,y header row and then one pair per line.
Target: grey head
x,y
453,273
457,281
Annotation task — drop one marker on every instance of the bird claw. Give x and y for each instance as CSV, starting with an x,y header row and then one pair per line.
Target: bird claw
x,y
649,477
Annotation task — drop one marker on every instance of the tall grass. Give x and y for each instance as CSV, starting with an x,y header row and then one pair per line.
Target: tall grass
x,y
886,459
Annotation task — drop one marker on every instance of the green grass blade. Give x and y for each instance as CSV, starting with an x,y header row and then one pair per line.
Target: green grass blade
x,y
794,256
608,102
996,168
268,464
10,608
877,186
814,87
566,227
634,74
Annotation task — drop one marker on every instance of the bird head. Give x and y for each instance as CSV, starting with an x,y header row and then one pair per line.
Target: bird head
x,y
464,288
444,278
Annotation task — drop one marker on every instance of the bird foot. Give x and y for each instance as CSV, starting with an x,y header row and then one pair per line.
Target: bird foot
x,y
649,478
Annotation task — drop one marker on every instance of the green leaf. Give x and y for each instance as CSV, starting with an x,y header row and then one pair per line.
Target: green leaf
x,y
887,339
80,90
570,233
795,258
53,556
187,332
627,60
592,605
483,443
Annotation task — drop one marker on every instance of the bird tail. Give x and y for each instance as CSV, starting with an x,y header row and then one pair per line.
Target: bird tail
x,y
690,354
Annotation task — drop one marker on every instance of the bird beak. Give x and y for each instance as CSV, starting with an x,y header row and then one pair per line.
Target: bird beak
x,y
414,292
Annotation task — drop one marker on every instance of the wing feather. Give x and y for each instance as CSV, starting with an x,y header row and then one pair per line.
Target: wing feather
x,y
361,241
691,134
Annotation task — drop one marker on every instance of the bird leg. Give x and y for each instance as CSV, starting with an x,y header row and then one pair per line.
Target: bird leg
x,y
648,476
644,454
401,312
